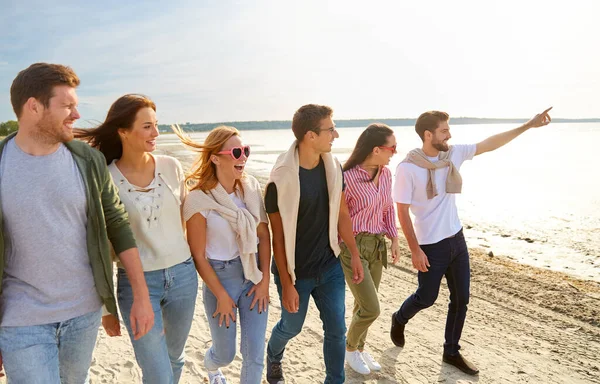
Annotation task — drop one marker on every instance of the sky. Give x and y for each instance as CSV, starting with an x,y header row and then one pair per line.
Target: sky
x,y
217,61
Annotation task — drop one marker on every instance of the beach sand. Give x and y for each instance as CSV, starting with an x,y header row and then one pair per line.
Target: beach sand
x,y
524,325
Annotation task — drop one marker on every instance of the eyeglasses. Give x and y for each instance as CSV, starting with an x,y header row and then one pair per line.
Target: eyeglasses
x,y
331,130
236,152
392,148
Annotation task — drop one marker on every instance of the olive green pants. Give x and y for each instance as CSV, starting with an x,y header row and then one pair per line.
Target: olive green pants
x,y
373,256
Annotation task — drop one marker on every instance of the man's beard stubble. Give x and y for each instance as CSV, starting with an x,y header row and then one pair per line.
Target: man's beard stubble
x,y
50,132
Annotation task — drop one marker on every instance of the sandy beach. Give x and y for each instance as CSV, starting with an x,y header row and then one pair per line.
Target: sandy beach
x,y
524,325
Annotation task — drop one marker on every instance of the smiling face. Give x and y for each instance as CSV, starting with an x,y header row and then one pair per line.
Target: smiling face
x,y
439,138
227,165
55,123
143,133
382,155
322,140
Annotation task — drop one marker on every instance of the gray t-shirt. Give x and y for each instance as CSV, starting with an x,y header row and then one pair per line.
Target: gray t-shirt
x,y
47,276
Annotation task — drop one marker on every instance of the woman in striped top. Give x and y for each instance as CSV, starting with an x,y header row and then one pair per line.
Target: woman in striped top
x,y
369,198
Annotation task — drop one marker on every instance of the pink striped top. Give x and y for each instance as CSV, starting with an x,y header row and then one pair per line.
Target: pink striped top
x,y
371,207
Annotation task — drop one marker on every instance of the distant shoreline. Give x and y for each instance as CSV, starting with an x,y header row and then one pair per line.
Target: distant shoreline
x,y
349,123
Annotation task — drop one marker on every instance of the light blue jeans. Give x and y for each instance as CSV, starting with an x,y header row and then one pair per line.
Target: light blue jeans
x,y
253,324
173,293
56,353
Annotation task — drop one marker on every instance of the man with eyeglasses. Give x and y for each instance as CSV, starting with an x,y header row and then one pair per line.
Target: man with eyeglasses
x,y
427,182
307,210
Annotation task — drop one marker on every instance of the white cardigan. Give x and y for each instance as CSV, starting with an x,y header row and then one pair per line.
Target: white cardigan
x,y
285,175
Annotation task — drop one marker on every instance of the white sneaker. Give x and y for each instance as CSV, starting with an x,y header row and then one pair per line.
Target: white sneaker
x,y
355,361
216,377
371,362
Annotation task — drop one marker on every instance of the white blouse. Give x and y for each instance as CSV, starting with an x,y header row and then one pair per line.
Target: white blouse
x,y
155,213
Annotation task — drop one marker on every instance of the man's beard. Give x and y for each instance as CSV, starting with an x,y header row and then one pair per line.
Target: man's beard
x,y
441,146
50,132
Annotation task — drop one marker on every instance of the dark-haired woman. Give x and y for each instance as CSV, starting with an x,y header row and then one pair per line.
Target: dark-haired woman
x,y
369,200
152,188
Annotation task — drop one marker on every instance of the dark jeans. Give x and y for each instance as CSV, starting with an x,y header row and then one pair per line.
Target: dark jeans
x,y
328,291
448,257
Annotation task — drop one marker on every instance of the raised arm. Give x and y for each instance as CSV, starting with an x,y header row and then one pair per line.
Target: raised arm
x,y
494,142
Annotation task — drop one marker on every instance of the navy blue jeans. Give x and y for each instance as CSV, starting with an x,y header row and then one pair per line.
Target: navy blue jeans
x,y
449,258
329,293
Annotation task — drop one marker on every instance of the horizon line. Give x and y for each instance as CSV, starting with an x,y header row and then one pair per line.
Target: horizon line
x,y
510,119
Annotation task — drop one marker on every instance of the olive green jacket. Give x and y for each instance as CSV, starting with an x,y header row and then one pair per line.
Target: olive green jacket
x,y
106,219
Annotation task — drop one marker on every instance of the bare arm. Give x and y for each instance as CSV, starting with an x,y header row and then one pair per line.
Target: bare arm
x,y
419,259
261,290
142,315
264,250
407,226
183,192
494,142
196,229
279,249
290,299
389,219
347,235
121,237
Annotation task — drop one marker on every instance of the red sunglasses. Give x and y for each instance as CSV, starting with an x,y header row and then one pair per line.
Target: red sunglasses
x,y
392,148
236,152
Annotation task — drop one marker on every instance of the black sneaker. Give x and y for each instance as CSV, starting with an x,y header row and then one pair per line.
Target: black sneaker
x,y
397,332
274,373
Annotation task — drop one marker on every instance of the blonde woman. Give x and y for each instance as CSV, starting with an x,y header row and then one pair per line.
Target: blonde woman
x,y
152,188
229,238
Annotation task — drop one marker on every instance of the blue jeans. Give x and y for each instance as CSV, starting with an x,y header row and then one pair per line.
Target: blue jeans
x,y
253,325
56,353
448,257
173,293
328,291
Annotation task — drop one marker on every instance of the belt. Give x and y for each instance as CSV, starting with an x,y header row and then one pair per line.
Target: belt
x,y
456,234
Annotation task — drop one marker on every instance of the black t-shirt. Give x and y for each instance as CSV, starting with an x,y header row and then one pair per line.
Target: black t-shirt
x,y
313,251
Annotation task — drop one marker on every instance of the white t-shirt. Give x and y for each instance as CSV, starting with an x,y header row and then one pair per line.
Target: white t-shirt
x,y
434,219
221,241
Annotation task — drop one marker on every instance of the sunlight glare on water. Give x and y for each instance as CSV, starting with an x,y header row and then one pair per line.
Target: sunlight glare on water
x,y
535,200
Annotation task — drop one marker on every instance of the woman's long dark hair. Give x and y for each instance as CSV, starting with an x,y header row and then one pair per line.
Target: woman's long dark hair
x,y
375,135
121,115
